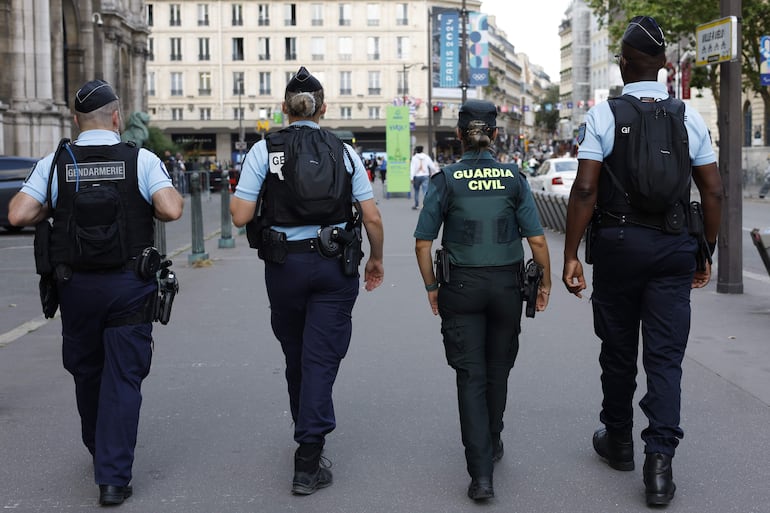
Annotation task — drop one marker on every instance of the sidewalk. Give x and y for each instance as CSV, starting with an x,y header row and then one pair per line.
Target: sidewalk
x,y
216,436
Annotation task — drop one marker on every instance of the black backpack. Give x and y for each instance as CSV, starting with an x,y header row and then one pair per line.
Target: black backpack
x,y
657,167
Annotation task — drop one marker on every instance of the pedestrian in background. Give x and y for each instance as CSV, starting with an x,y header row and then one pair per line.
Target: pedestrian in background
x,y
485,208
311,293
420,171
643,271
103,197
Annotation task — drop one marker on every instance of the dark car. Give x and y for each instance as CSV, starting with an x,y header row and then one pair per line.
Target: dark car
x,y
13,171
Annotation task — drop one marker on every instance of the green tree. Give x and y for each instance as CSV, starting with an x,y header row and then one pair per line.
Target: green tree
x,y
158,142
679,18
548,120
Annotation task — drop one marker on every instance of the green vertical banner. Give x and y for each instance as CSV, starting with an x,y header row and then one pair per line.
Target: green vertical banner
x,y
397,146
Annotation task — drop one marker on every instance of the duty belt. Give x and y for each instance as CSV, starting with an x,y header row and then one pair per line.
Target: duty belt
x,y
610,219
302,246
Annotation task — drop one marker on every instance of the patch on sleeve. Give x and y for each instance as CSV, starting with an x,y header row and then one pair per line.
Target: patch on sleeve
x,y
581,133
163,168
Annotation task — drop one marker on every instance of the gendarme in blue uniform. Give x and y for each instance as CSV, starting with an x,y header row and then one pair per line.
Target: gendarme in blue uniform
x,y
107,361
633,262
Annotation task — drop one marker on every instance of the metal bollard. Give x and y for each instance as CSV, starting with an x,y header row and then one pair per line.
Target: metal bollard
x,y
226,240
198,251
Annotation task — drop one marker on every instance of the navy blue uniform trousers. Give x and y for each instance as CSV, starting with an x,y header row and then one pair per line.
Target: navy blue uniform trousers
x,y
643,277
311,303
480,320
107,363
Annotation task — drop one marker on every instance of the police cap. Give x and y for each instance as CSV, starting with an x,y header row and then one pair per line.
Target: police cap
x,y
478,110
93,95
303,82
644,34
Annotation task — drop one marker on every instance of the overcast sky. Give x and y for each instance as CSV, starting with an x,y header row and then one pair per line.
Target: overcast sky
x,y
532,28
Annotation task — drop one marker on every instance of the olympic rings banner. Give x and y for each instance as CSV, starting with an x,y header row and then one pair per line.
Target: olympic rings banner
x,y
447,40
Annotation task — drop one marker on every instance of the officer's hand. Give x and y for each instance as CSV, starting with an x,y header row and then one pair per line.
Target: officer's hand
x,y
373,274
433,300
573,276
543,296
702,278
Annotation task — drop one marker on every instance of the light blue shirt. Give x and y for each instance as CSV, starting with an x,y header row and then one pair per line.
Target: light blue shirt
x,y
255,167
600,127
151,173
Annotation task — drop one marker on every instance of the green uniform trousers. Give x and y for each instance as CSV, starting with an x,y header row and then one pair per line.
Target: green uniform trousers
x,y
480,320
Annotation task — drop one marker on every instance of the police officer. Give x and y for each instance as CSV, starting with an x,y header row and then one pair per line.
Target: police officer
x,y
486,208
311,296
103,197
642,274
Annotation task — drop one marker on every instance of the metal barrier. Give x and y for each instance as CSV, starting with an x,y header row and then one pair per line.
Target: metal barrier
x,y
552,209
761,239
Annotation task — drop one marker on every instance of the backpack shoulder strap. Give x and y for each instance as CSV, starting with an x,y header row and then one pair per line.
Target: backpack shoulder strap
x,y
56,154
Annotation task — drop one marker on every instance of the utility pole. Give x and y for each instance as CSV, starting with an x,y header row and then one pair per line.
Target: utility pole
x,y
730,272
464,52
430,84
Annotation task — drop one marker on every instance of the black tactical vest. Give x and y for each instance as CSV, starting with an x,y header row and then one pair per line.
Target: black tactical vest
x,y
101,219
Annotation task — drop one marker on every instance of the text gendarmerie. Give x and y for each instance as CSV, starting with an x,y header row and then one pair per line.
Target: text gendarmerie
x,y
483,179
96,171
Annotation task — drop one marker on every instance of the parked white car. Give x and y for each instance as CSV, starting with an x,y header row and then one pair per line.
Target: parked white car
x,y
555,175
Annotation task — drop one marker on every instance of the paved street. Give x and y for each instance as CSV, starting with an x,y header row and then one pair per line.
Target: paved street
x,y
216,435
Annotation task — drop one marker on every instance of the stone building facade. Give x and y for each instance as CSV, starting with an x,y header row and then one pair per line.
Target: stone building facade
x,y
49,49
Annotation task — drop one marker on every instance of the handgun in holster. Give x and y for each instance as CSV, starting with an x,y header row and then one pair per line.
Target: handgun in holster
x,y
531,276
442,266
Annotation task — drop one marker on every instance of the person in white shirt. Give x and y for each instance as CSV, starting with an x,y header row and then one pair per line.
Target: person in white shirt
x,y
420,171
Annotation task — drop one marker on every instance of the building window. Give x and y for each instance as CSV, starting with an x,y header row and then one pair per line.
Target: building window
x,y
205,113
402,47
346,112
290,15
177,113
150,49
150,15
237,15
238,113
374,113
346,13
237,48
150,83
375,86
402,14
203,15
175,15
263,48
317,15
346,86
317,48
176,48
345,48
373,48
373,15
264,83
176,84
204,53
237,83
204,83
403,83
290,46
263,15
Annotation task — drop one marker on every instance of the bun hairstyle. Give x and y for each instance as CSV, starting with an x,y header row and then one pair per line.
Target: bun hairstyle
x,y
304,104
477,123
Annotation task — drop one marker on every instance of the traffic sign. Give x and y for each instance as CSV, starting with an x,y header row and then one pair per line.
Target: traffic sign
x,y
240,145
716,41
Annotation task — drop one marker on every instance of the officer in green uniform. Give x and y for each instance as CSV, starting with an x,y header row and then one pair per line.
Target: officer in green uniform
x,y
486,208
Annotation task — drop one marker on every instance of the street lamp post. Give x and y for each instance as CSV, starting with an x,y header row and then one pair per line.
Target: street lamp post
x,y
240,124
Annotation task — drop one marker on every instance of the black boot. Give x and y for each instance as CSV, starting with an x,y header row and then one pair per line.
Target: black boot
x,y
618,450
481,488
659,484
497,448
309,475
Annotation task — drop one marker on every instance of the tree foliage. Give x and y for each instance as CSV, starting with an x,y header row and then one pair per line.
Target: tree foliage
x,y
158,142
679,18
549,120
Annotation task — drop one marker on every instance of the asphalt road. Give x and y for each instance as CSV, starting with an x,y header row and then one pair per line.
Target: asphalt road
x,y
216,435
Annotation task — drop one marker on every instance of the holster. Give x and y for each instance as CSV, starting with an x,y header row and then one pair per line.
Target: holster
x,y
48,287
442,266
696,228
272,247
